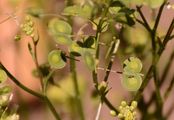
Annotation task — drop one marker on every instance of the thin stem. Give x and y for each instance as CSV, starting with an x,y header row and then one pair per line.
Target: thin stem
x,y
155,57
158,94
144,84
76,87
113,52
94,73
36,94
51,107
74,75
146,25
5,19
154,30
46,81
37,63
108,103
98,112
167,37
169,89
159,16
169,112
165,71
19,84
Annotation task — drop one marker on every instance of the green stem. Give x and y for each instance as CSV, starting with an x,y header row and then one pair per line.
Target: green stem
x,y
94,73
145,24
167,37
108,103
164,74
169,89
36,61
76,87
158,95
112,53
98,112
144,84
20,84
36,94
155,57
154,30
51,107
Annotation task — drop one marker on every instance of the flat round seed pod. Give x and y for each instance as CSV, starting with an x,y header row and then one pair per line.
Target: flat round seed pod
x,y
132,65
55,59
59,26
89,60
131,83
62,39
74,47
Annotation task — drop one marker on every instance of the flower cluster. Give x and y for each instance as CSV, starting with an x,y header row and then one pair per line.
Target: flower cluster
x,y
28,26
127,112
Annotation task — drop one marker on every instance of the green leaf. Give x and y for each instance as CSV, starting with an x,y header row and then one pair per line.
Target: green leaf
x,y
55,59
3,76
124,16
130,20
89,42
117,3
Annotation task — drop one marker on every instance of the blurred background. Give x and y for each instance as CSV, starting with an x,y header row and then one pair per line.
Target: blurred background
x,y
15,56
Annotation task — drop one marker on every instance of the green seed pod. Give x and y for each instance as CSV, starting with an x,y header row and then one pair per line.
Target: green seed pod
x,y
89,60
132,65
74,47
55,59
131,83
3,76
59,26
62,39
